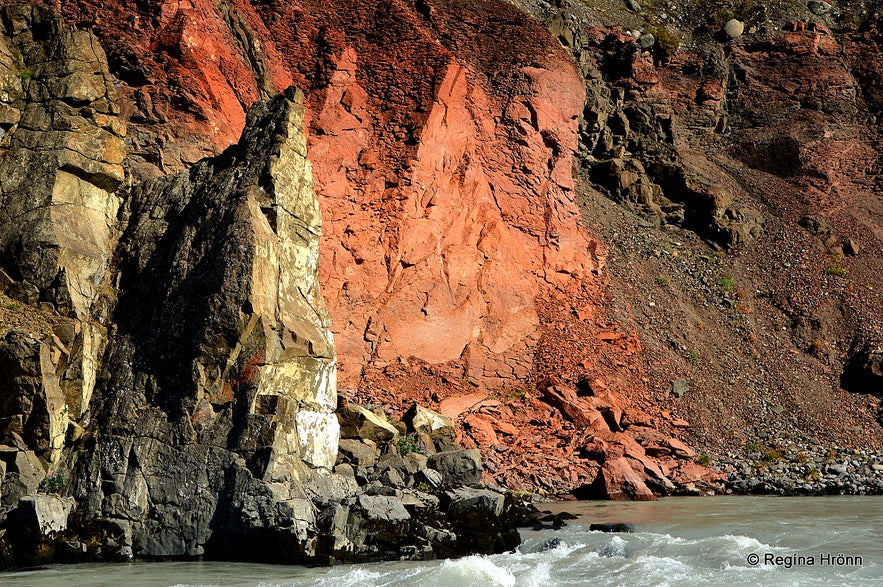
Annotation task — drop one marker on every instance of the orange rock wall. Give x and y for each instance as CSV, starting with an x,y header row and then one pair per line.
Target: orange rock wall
x,y
445,179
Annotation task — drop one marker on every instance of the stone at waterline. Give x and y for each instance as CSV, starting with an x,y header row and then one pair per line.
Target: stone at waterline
x,y
385,508
36,519
612,527
458,467
464,499
617,480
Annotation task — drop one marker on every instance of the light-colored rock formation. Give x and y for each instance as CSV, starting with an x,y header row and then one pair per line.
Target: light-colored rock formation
x,y
61,158
219,264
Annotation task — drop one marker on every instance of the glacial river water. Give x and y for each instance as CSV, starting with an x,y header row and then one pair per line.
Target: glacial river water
x,y
734,541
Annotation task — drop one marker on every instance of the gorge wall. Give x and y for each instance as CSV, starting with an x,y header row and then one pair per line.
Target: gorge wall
x,y
591,248
445,181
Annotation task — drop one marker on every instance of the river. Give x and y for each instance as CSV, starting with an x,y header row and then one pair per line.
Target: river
x,y
732,541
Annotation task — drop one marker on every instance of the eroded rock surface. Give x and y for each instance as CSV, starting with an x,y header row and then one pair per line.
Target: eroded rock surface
x,y
220,388
202,419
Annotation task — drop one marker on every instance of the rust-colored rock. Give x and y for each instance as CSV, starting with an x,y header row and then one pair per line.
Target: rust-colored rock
x,y
441,229
455,261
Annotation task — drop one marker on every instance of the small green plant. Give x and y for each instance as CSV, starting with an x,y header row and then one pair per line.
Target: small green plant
x,y
52,483
836,270
661,281
693,356
703,460
753,447
517,394
771,455
813,475
424,487
727,283
25,74
411,443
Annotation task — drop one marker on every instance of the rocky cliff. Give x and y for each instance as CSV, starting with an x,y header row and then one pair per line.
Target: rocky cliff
x,y
166,355
615,243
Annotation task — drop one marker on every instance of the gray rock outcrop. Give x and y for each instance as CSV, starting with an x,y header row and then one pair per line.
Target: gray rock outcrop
x,y
217,407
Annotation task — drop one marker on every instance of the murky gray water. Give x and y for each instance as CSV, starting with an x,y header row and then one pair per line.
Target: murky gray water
x,y
680,541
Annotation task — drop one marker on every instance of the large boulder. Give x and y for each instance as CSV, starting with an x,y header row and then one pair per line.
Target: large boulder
x,y
44,514
425,421
360,422
458,467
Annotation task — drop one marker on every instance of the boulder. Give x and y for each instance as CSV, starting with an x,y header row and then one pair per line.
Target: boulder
x,y
612,527
424,421
360,422
414,462
571,406
679,449
464,499
44,514
617,480
430,476
383,508
458,467
733,28
362,453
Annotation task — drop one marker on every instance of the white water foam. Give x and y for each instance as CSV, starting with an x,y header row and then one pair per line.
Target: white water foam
x,y
474,570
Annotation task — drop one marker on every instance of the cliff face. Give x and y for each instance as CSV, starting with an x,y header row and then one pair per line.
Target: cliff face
x,y
585,243
165,349
445,182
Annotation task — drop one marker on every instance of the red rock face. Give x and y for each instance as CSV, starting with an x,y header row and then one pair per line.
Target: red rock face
x,y
454,261
442,159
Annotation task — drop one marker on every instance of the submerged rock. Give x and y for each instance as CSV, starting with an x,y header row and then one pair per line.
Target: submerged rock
x,y
611,527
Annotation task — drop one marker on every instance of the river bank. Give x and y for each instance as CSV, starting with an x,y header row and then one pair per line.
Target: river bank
x,y
676,541
800,467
